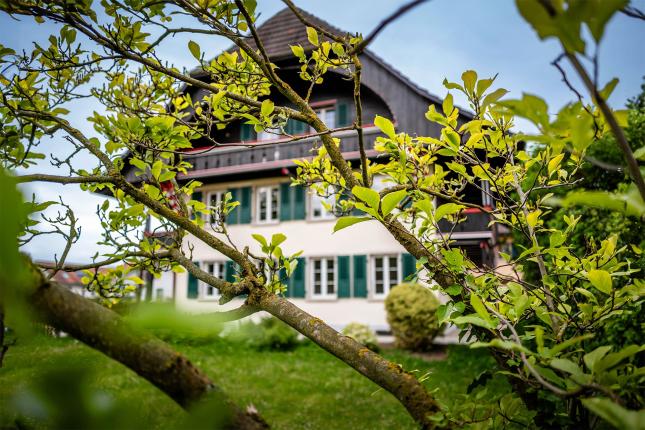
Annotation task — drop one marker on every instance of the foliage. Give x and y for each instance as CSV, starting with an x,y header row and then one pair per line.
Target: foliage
x,y
543,333
362,333
412,316
276,379
269,334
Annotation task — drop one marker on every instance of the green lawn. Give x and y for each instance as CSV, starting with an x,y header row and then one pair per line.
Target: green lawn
x,y
306,388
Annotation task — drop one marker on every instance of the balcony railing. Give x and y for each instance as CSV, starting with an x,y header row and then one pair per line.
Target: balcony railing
x,y
475,221
260,156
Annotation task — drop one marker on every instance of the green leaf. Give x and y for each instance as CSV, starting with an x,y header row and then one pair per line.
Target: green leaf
x,y
447,105
391,200
386,126
494,96
447,209
601,279
298,51
261,239
267,107
194,49
615,414
478,306
591,358
346,221
312,36
277,239
566,366
367,195
470,78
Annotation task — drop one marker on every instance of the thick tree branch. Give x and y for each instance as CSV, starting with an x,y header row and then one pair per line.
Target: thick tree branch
x,y
106,331
64,180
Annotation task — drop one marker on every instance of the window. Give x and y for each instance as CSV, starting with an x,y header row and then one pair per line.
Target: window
x,y
317,205
214,202
327,115
268,203
324,278
215,268
487,199
386,274
159,294
269,134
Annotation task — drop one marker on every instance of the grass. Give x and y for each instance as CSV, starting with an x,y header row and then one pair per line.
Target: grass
x,y
306,388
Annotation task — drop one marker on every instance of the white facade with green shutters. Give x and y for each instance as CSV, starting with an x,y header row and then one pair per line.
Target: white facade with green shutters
x,y
340,278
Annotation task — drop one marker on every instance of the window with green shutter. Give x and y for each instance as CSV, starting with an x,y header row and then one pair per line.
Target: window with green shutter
x,y
230,271
299,200
343,276
296,283
409,266
234,215
192,291
247,132
285,201
342,114
197,195
246,204
360,276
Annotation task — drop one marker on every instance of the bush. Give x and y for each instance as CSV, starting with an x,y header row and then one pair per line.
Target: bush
x,y
362,333
412,315
268,334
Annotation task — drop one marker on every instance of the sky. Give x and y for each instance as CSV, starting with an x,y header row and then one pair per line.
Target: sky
x,y
439,39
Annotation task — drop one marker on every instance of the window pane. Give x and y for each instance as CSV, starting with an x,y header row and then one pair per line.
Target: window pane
x,y
330,276
330,118
274,203
262,212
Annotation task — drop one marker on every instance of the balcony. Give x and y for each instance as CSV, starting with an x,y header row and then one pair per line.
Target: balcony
x,y
476,221
257,156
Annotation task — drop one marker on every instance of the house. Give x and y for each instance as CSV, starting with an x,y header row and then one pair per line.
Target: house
x,y
342,277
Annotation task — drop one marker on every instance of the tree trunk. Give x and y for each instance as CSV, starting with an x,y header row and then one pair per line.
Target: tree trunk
x,y
152,359
403,385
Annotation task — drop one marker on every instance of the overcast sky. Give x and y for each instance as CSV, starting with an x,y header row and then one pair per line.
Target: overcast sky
x,y
440,38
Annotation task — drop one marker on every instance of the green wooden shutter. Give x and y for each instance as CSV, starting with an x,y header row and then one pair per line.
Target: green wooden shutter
x,y
247,132
342,115
193,285
285,202
299,194
343,276
297,280
229,271
197,195
233,216
360,276
246,203
409,265
300,127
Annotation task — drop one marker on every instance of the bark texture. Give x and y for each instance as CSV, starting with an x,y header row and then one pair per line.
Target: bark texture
x,y
152,359
403,385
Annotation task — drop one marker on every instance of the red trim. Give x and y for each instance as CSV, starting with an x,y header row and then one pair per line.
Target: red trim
x,y
323,103
263,142
476,210
287,162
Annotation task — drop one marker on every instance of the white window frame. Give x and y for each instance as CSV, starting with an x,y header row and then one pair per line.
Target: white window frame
x,y
315,201
321,113
271,133
388,283
269,204
324,285
218,270
487,199
214,209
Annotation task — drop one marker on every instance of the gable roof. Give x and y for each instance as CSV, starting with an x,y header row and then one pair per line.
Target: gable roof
x,y
284,29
